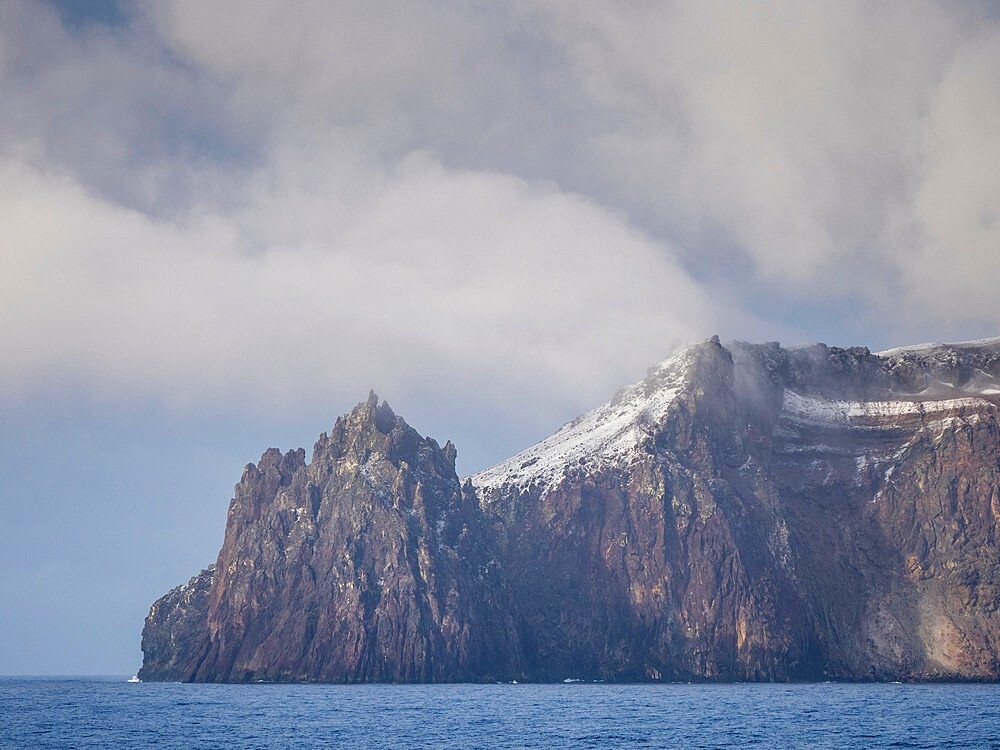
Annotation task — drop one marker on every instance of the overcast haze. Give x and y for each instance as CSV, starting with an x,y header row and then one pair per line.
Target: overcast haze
x,y
223,222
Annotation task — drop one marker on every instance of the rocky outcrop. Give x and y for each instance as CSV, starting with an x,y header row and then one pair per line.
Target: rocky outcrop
x,y
747,512
368,564
173,638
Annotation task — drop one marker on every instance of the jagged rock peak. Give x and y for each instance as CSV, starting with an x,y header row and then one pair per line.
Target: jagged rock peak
x,y
274,468
373,429
368,564
376,413
370,428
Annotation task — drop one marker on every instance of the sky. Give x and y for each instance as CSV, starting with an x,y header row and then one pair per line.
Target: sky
x,y
223,223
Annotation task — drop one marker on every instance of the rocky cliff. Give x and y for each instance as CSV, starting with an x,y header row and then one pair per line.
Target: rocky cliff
x,y
747,512
371,563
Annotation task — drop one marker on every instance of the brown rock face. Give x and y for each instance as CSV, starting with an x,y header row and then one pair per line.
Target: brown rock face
x,y
751,512
173,638
368,564
669,562
765,514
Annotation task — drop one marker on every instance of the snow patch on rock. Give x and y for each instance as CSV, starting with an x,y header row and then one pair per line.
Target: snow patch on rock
x,y
820,411
606,435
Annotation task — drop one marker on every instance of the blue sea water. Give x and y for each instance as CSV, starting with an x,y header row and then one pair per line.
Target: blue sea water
x,y
110,713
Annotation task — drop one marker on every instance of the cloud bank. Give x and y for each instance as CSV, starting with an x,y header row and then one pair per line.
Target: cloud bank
x,y
261,202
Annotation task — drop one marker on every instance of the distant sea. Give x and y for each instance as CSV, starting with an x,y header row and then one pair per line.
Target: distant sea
x,y
110,713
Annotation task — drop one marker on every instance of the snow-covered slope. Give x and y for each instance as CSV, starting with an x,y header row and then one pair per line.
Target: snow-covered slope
x,y
609,434
930,348
922,382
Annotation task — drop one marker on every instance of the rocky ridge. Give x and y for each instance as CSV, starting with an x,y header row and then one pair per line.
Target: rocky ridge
x,y
748,512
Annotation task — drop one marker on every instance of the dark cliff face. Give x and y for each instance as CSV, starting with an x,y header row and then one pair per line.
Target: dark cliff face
x,y
673,564
368,564
745,512
887,471
173,638
787,514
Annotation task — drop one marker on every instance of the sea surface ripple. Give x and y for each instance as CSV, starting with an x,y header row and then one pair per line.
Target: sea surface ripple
x,y
110,713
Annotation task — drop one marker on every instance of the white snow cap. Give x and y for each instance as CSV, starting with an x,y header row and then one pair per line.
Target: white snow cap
x,y
606,435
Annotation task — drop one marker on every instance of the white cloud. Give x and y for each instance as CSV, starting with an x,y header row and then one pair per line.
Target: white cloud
x,y
956,260
387,77
232,198
796,133
806,137
438,273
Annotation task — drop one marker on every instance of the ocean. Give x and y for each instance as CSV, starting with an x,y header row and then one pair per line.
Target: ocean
x,y
111,713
